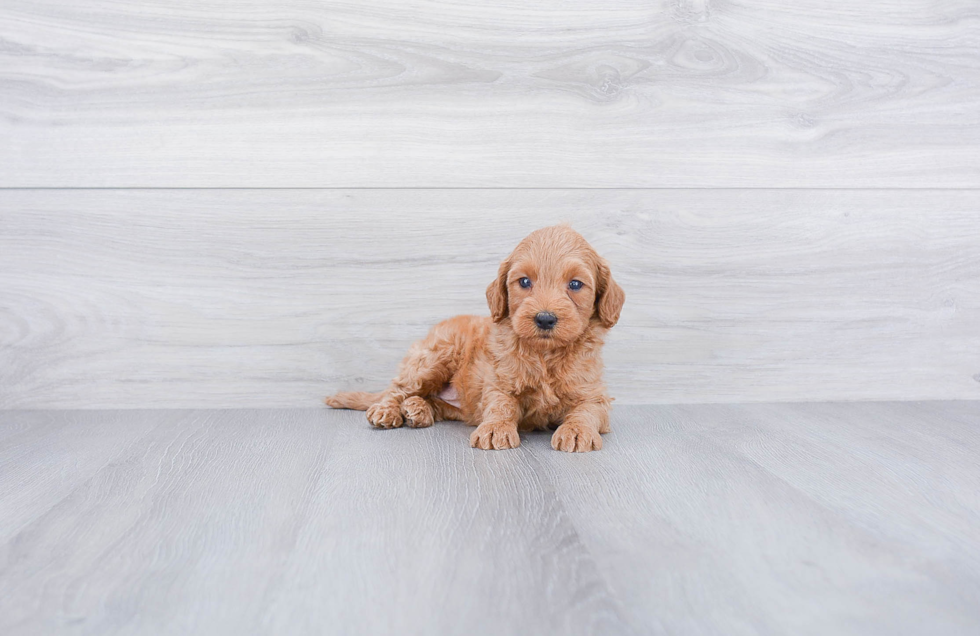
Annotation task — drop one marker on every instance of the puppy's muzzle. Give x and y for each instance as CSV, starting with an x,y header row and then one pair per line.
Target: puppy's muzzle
x,y
546,320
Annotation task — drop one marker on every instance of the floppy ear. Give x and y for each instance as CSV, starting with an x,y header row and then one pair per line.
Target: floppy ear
x,y
497,293
610,297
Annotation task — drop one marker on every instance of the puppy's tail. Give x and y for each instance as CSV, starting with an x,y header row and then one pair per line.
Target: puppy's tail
x,y
357,400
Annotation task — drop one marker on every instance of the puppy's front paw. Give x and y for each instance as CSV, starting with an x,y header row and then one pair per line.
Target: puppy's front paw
x,y
495,436
384,415
417,412
576,438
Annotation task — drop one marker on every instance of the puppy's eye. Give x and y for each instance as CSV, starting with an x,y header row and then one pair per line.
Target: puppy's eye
x,y
524,282
575,285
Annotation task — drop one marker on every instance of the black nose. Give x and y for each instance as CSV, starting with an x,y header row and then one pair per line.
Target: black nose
x,y
546,320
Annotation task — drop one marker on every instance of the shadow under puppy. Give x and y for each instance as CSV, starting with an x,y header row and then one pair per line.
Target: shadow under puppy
x,y
534,364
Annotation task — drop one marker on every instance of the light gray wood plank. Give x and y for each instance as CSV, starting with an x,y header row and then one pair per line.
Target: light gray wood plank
x,y
44,455
301,522
709,519
688,93
777,519
114,299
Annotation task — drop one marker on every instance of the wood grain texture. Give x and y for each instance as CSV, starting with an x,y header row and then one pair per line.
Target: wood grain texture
x,y
230,522
557,93
115,299
786,519
734,519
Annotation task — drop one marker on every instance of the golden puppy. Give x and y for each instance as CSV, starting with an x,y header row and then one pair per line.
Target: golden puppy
x,y
534,364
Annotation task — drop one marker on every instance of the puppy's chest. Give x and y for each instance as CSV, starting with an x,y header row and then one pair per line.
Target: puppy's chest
x,y
542,406
543,393
540,398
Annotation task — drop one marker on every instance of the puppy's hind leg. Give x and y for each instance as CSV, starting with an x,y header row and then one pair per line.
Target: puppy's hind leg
x,y
418,412
423,372
421,412
446,411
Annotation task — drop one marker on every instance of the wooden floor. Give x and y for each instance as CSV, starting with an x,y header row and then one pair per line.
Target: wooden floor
x,y
210,204
820,518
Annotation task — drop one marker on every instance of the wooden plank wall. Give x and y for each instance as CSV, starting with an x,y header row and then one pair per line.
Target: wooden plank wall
x,y
249,204
272,297
490,93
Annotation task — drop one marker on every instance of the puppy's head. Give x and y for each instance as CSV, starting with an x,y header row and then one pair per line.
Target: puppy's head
x,y
553,288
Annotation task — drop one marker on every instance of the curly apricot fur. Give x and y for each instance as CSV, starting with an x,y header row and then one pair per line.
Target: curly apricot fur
x,y
511,375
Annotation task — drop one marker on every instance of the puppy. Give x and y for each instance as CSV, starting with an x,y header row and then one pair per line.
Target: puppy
x,y
533,364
